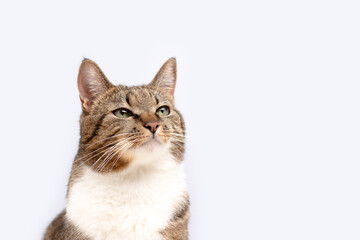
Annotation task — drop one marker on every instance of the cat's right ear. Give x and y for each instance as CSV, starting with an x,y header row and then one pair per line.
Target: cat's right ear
x,y
91,83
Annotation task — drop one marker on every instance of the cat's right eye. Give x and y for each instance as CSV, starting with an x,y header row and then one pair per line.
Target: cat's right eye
x,y
122,113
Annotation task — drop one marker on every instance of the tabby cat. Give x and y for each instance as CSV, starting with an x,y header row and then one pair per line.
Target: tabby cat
x,y
127,180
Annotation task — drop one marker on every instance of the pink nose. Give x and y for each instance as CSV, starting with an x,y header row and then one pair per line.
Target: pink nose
x,y
152,126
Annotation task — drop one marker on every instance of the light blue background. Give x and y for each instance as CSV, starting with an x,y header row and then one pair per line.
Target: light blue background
x,y
269,91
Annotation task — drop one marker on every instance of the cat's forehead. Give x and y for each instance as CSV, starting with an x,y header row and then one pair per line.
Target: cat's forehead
x,y
142,98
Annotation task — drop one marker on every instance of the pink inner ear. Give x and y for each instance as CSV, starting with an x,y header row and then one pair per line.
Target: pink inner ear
x,y
165,79
167,83
91,83
84,79
85,102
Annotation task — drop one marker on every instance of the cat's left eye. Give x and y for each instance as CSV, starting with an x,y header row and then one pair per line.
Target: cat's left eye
x,y
122,113
163,111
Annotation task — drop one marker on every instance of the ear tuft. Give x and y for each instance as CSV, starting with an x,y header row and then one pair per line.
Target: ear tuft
x,y
165,78
91,83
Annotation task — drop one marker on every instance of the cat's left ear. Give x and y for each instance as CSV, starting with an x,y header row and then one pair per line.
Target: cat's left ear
x,y
165,79
91,83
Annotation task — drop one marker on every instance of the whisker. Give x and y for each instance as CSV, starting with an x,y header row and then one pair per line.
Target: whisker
x,y
118,142
106,152
177,139
84,162
127,147
114,153
101,148
110,152
175,134
116,145
98,149
121,134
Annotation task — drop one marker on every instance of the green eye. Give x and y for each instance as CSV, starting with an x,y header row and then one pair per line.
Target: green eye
x,y
122,113
163,111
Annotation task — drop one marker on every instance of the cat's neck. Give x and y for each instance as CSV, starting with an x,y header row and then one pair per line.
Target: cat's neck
x,y
129,204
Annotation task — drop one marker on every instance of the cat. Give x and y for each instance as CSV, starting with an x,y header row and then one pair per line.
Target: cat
x,y
127,180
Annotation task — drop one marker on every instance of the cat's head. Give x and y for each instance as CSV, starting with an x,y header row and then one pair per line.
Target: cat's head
x,y
121,123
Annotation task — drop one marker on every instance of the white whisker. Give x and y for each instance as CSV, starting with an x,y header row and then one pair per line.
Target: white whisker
x,y
121,134
98,149
111,152
101,166
117,140
174,134
127,147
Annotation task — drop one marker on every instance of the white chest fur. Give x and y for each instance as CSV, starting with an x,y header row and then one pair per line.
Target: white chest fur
x,y
131,205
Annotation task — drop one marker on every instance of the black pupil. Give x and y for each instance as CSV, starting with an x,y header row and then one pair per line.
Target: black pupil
x,y
123,112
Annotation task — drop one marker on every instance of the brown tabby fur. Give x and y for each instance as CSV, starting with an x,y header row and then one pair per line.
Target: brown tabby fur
x,y
99,129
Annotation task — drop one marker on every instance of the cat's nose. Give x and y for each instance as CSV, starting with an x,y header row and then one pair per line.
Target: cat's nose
x,y
152,126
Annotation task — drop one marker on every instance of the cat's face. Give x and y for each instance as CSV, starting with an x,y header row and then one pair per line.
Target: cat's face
x,y
119,122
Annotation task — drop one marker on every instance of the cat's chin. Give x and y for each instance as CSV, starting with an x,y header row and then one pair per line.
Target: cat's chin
x,y
151,151
152,142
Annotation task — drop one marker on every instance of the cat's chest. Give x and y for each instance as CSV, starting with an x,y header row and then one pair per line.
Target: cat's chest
x,y
109,207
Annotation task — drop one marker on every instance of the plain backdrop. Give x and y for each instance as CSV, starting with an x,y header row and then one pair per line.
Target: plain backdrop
x,y
269,91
